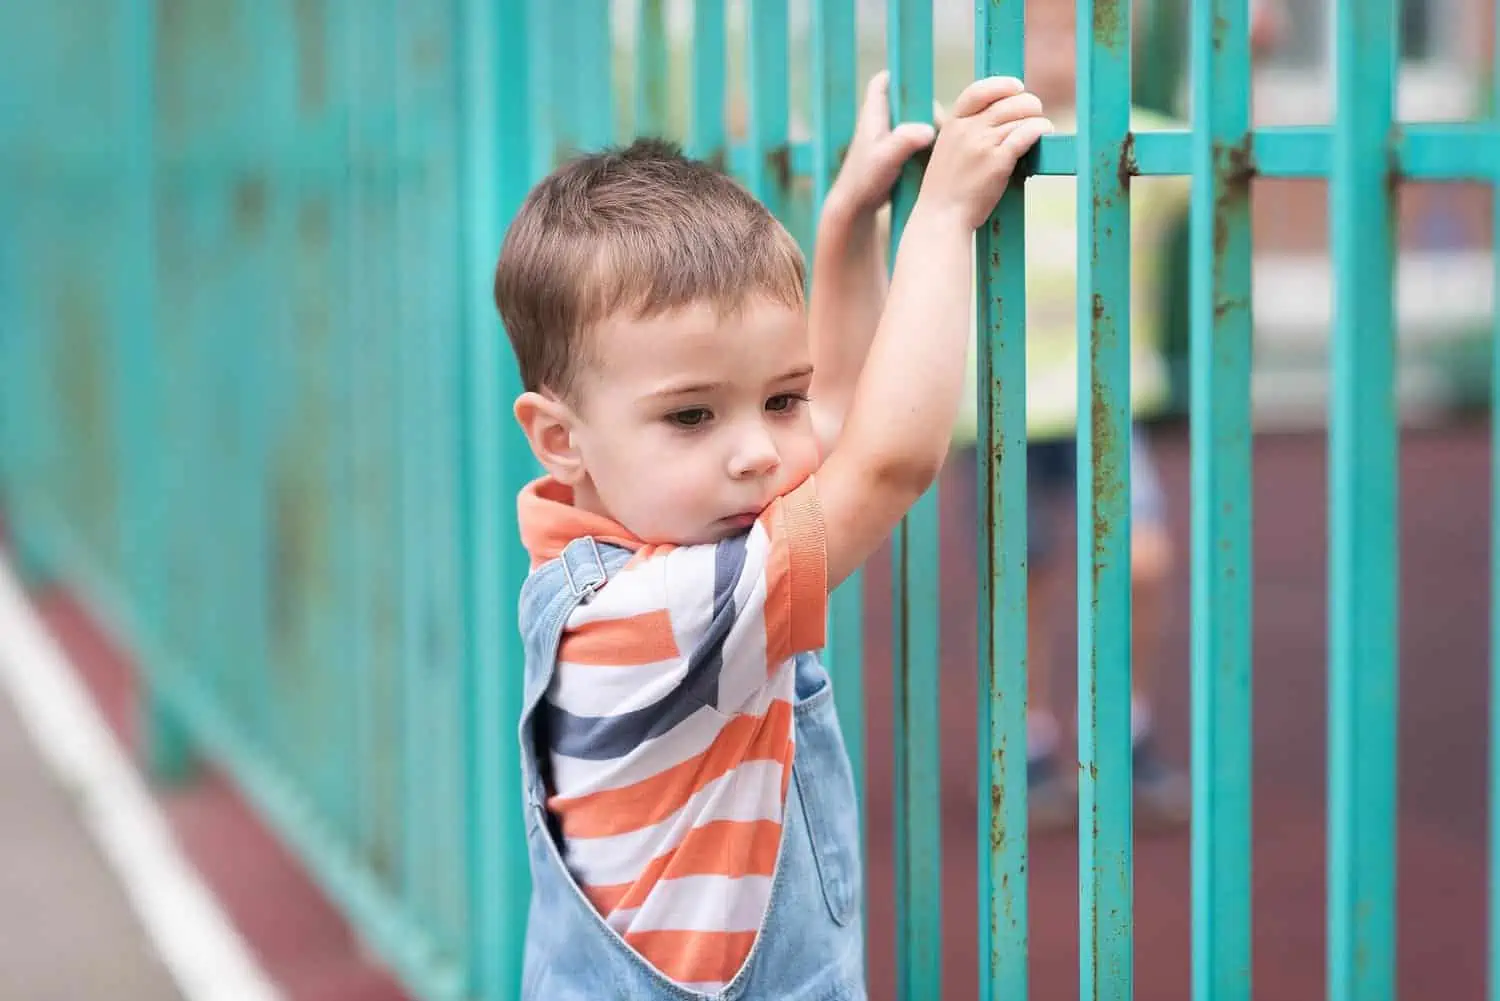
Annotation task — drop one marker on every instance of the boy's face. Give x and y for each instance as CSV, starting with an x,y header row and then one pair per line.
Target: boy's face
x,y
689,423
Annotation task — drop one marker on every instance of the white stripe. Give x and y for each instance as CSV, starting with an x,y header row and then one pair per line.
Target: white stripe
x,y
196,941
744,674
594,690
633,591
699,903
574,777
706,903
687,584
750,792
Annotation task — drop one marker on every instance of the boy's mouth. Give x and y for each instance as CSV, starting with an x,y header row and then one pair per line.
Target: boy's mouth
x,y
742,520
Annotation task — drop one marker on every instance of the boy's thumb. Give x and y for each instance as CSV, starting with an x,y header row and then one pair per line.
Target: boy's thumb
x,y
939,114
909,137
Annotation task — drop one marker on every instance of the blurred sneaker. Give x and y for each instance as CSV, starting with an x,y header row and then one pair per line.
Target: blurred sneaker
x,y
1163,794
1052,792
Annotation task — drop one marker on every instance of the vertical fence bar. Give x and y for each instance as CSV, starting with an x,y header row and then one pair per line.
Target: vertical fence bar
x,y
445,381
537,19
361,348
167,746
382,561
411,427
1221,460
1494,790
264,351
13,356
834,104
915,599
652,68
1105,878
356,89
706,115
1362,447
138,529
768,172
588,37
497,464
999,46
351,672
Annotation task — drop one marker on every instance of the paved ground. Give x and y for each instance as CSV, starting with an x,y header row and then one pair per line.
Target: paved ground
x,y
1441,840
67,932
300,941
1442,773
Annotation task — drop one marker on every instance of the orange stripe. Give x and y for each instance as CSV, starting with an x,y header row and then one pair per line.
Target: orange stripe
x,y
731,848
606,898
649,801
807,544
694,956
796,575
625,642
778,597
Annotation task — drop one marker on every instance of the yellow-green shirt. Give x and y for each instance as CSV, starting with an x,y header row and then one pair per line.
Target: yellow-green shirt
x,y
1051,287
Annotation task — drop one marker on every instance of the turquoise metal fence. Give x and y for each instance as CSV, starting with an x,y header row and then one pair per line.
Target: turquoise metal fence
x,y
254,404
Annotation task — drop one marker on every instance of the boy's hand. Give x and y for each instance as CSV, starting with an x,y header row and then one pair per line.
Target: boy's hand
x,y
877,152
990,127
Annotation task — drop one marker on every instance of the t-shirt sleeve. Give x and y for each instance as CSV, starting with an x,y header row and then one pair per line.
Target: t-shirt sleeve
x,y
742,607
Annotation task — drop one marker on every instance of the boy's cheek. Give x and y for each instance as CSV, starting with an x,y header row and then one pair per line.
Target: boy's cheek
x,y
802,461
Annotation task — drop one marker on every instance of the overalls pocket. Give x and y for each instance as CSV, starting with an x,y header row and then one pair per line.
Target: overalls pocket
x,y
825,786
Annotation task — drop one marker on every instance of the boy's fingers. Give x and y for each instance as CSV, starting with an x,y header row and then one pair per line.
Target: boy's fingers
x,y
1000,133
1021,138
876,98
982,93
1012,109
909,137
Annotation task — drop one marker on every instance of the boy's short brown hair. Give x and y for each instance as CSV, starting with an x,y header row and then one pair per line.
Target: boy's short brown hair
x,y
642,228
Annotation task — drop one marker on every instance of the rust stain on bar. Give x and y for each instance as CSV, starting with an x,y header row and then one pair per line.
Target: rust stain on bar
x,y
1108,20
1127,164
779,166
249,203
1235,165
1104,481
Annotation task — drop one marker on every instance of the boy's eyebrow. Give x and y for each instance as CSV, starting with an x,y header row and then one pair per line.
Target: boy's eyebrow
x,y
688,389
699,388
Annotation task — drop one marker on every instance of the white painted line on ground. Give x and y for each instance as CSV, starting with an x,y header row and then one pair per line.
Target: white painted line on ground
x,y
198,944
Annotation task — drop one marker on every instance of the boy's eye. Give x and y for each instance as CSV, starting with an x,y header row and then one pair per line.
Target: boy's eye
x,y
691,418
784,402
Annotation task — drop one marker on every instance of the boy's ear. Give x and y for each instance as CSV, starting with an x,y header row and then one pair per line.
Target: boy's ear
x,y
548,424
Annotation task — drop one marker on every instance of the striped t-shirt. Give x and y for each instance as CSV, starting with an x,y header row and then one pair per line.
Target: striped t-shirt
x,y
669,720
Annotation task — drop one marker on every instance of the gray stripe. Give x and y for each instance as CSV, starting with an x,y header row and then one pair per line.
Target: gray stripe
x,y
600,738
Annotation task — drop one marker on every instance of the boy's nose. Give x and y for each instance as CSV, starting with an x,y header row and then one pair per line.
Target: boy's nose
x,y
755,456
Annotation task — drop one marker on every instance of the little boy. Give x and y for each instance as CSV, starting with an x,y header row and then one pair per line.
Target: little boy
x,y
716,461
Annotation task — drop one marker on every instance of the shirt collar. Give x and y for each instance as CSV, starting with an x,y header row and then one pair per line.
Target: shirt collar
x,y
549,521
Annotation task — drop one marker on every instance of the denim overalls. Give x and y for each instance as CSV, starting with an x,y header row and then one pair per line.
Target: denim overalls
x,y
811,945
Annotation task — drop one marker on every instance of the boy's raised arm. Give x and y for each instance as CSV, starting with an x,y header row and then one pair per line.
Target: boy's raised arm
x,y
849,261
896,433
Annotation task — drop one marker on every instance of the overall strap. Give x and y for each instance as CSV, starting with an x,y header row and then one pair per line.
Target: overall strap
x,y
583,567
549,598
